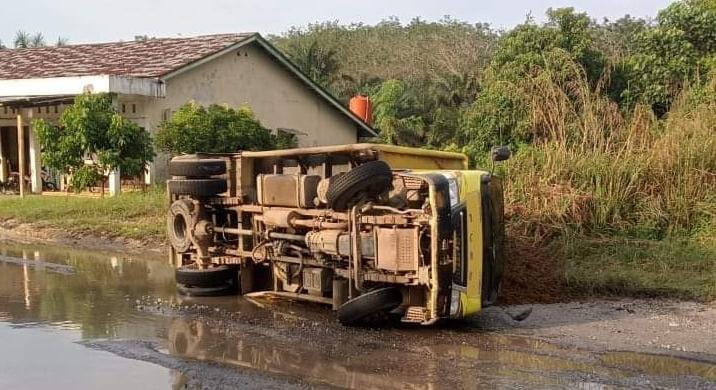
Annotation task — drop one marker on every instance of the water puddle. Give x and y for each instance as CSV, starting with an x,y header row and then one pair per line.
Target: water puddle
x,y
75,319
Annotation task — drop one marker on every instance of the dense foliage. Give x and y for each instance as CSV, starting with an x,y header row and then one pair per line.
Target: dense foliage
x,y
216,129
611,121
91,140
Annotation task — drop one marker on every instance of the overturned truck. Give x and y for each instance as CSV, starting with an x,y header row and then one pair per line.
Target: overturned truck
x,y
376,231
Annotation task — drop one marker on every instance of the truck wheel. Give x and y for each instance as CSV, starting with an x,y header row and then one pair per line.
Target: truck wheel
x,y
359,310
178,222
197,187
192,166
193,276
371,178
218,291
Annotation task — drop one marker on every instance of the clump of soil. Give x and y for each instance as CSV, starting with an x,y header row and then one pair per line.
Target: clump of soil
x,y
533,273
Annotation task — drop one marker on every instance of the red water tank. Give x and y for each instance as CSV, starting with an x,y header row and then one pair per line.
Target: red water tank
x,y
362,107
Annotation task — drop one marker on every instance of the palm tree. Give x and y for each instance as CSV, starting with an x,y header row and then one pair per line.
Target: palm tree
x,y
24,40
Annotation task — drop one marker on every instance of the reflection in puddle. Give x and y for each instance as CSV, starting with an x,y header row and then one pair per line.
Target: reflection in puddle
x,y
191,338
493,360
99,296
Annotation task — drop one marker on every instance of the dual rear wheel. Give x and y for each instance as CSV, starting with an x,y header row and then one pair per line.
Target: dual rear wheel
x,y
196,177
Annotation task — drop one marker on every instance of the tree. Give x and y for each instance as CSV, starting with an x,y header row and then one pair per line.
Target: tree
x,y
526,47
91,140
679,50
25,40
215,129
499,116
363,56
319,63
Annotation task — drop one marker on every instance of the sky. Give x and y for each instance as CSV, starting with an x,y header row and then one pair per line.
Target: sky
x,y
83,21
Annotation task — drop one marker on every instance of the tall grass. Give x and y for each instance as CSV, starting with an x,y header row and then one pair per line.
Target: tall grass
x,y
593,168
604,201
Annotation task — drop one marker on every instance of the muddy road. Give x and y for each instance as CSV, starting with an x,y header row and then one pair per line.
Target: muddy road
x,y
74,319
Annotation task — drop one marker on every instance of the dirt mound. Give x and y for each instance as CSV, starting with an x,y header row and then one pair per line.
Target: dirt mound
x,y
533,273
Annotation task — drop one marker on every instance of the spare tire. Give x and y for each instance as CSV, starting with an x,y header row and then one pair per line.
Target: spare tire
x,y
361,309
193,276
178,224
197,187
371,178
191,166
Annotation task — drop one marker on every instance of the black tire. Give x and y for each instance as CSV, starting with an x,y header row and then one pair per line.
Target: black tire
x,y
365,307
197,187
218,291
196,167
193,276
178,224
371,178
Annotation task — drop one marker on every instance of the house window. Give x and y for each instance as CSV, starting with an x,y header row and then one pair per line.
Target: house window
x,y
134,108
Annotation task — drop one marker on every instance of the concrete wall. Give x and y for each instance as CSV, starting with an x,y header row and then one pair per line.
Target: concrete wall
x,y
249,76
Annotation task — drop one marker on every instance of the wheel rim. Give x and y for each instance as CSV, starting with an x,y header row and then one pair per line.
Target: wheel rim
x,y
180,227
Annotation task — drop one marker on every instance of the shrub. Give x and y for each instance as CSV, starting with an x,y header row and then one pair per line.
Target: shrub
x,y
216,129
92,129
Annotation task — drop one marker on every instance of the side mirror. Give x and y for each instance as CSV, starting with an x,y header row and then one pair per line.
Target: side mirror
x,y
500,153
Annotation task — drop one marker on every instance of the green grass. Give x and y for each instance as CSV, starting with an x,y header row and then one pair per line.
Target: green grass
x,y
675,268
131,215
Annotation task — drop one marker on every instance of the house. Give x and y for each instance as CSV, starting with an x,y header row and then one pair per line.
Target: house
x,y
152,78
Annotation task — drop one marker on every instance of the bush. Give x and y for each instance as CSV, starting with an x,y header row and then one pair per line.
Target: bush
x,y
92,129
216,129
497,117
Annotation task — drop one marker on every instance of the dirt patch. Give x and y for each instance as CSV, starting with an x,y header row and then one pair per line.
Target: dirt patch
x,y
639,325
13,230
533,273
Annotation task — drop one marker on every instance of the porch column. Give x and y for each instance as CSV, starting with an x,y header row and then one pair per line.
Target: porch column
x,y
149,174
3,159
21,151
115,183
35,161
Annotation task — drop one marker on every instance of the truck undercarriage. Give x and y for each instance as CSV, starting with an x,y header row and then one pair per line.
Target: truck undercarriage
x,y
338,228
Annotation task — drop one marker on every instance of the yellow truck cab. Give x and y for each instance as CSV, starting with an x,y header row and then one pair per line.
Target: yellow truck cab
x,y
376,231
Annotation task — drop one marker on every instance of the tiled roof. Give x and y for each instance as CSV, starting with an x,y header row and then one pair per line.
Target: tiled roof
x,y
149,58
